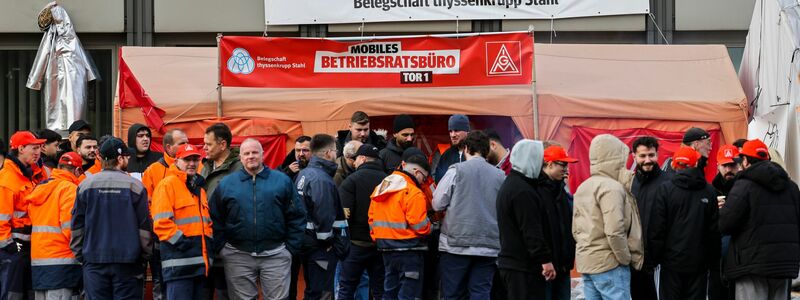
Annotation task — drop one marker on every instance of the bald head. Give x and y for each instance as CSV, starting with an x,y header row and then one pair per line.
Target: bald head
x,y
251,154
173,139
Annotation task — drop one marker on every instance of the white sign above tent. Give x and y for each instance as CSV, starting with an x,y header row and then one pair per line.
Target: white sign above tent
x,y
283,12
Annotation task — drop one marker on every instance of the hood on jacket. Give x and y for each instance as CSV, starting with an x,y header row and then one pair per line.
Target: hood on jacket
x,y
43,190
607,156
768,175
690,179
132,136
328,167
397,182
527,158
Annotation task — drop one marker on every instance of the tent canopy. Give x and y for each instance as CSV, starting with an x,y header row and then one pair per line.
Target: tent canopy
x,y
576,83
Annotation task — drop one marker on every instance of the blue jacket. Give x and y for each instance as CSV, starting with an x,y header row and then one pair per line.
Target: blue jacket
x,y
111,221
447,159
257,213
326,223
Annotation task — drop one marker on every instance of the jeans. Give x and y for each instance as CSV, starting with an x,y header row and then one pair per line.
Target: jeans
x,y
404,275
185,289
359,260
243,271
113,281
465,276
613,284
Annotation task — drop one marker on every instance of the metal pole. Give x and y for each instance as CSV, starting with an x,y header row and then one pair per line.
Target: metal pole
x,y
535,97
448,35
219,78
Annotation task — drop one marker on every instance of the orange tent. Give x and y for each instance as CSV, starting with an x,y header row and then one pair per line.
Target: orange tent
x,y
605,87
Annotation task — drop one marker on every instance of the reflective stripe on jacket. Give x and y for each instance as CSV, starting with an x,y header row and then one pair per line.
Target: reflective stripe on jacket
x,y
183,225
15,185
155,173
53,265
398,217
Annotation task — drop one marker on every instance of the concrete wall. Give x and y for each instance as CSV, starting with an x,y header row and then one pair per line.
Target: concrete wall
x,y
20,16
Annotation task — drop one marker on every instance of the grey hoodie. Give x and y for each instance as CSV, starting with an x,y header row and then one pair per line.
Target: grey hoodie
x,y
523,162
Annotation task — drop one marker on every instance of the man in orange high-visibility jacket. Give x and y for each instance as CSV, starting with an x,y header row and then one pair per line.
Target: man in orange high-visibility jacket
x,y
173,139
55,271
16,182
183,225
87,148
399,223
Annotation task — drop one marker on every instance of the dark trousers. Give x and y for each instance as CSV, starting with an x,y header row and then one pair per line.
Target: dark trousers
x,y
185,289
215,284
14,271
682,286
159,289
430,288
498,287
523,285
404,275
352,268
466,277
297,262
113,281
560,288
319,269
643,285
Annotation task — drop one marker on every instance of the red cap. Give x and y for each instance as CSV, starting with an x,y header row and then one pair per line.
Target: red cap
x,y
687,156
71,159
727,154
187,150
755,149
24,138
556,153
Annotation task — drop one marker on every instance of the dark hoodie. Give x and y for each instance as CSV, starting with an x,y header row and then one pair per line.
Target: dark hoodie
x,y
345,136
391,156
723,186
683,227
762,215
138,164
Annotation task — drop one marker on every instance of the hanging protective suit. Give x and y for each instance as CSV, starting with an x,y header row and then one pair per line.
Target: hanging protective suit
x,y
64,66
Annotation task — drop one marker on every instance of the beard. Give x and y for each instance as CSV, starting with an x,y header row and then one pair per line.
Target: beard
x,y
640,168
492,158
405,144
303,162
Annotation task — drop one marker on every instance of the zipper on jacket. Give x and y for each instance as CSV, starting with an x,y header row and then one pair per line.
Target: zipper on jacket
x,y
255,218
203,232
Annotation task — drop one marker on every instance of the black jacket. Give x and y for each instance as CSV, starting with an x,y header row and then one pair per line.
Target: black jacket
x,y
558,210
762,216
526,240
355,192
645,189
290,158
684,234
723,187
139,164
391,156
345,136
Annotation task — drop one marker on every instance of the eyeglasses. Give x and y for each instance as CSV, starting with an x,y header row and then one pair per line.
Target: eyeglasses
x,y
560,163
424,175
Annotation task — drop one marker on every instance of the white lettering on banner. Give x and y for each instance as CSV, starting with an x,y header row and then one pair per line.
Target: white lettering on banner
x,y
296,12
387,58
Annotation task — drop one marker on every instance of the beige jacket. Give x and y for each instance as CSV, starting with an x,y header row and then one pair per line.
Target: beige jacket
x,y
606,223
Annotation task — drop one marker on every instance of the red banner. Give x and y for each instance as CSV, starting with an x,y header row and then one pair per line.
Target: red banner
x,y
494,59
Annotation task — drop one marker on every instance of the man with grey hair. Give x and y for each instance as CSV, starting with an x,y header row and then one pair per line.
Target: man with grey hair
x,y
258,223
346,161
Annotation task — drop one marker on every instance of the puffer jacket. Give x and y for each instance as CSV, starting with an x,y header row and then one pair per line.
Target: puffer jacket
x,y
398,214
257,213
355,192
762,216
182,222
683,228
606,224
53,265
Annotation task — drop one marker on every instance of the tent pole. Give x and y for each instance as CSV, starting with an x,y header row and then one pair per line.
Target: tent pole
x,y
535,97
219,78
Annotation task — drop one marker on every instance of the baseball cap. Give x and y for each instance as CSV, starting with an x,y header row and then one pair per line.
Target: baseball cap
x,y
78,125
687,156
727,154
694,134
556,153
367,150
755,149
187,150
113,148
71,159
24,138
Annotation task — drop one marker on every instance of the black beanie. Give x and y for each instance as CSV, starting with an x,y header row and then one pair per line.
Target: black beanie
x,y
402,122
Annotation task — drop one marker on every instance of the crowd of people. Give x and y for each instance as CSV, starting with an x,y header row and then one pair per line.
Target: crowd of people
x,y
366,217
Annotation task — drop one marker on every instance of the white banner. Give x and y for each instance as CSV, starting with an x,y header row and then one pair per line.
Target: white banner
x,y
294,12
